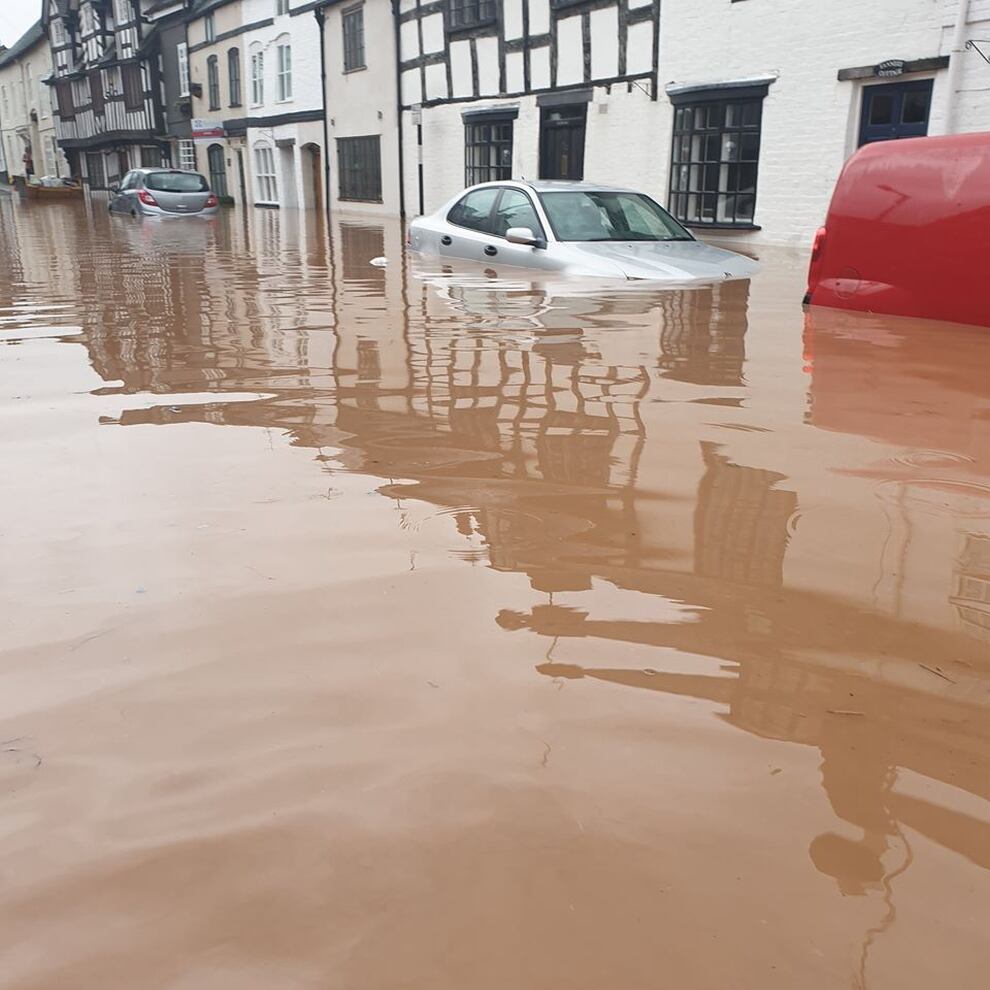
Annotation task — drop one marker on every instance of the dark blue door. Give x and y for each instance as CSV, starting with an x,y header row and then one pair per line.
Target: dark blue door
x,y
895,110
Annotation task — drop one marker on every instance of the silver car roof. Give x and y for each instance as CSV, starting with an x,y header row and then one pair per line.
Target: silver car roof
x,y
551,185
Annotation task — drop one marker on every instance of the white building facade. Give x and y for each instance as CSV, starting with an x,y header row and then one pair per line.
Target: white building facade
x,y
754,133
282,126
27,123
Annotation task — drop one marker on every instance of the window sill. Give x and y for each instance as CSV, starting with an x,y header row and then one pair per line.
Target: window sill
x,y
288,99
346,199
234,106
267,206
356,68
694,225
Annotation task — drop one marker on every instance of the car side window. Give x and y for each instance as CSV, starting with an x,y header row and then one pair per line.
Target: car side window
x,y
516,210
474,211
129,181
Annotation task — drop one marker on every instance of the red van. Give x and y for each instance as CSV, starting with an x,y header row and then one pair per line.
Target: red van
x,y
908,231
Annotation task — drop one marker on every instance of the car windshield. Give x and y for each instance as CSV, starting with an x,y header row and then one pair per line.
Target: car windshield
x,y
178,182
610,216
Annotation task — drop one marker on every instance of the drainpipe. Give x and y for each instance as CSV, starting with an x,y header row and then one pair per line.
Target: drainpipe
x,y
320,14
953,76
398,109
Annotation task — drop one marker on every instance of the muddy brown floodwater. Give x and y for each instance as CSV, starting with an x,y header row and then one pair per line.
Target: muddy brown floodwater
x,y
374,628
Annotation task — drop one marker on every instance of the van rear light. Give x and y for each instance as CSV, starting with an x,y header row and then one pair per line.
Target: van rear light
x,y
147,198
212,201
814,266
819,244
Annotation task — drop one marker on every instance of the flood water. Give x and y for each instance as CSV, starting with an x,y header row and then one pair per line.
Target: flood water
x,y
373,628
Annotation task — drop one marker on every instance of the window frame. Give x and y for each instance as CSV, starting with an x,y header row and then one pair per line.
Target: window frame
x,y
281,7
471,172
213,82
187,153
464,15
372,193
719,99
132,71
257,78
64,99
283,72
209,28
353,42
97,102
265,181
182,67
234,93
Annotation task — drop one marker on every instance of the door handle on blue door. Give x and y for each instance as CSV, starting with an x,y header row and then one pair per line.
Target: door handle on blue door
x,y
491,250
445,241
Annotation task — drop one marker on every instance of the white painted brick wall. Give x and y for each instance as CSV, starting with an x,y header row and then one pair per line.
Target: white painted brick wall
x,y
810,119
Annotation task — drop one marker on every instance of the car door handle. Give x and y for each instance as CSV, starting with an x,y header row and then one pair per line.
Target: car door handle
x,y
445,241
491,250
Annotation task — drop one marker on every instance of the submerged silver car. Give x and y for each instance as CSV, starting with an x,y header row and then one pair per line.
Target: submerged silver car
x,y
163,192
572,228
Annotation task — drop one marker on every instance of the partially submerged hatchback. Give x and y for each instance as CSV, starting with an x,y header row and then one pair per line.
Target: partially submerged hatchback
x,y
163,192
908,231
573,228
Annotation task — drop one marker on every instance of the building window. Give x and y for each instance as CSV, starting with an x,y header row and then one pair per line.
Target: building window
x,y
94,170
471,13
218,169
264,174
352,23
234,76
210,28
58,32
284,76
213,81
123,12
487,151
895,110
716,152
3,98
63,93
258,77
151,156
281,6
96,94
187,156
182,55
359,165
131,80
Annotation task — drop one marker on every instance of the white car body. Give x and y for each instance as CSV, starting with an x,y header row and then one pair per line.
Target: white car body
x,y
684,260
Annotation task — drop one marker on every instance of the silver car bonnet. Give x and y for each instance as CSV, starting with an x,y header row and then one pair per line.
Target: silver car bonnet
x,y
669,260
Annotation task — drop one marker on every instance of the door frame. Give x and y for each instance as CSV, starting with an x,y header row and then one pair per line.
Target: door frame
x,y
577,119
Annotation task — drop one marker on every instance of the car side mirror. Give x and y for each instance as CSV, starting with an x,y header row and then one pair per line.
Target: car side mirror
x,y
523,235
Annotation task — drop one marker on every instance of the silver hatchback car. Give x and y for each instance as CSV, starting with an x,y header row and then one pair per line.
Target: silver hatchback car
x,y
163,192
572,228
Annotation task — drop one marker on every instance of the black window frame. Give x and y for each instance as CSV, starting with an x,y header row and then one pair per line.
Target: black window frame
x,y
234,77
475,174
213,81
209,28
97,95
63,96
359,168
352,34
712,107
131,77
462,15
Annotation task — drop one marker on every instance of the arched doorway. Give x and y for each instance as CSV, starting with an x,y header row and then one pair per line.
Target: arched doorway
x,y
218,169
313,177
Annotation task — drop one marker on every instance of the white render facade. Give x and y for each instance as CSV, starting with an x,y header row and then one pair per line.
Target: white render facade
x,y
827,69
27,123
283,104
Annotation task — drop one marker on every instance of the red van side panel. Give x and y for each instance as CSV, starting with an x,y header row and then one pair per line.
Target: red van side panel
x,y
908,231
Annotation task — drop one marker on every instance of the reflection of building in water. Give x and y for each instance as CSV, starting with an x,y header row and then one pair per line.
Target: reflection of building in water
x,y
972,586
740,522
702,334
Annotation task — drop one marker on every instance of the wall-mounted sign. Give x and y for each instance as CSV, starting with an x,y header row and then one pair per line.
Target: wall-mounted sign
x,y
891,67
206,130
